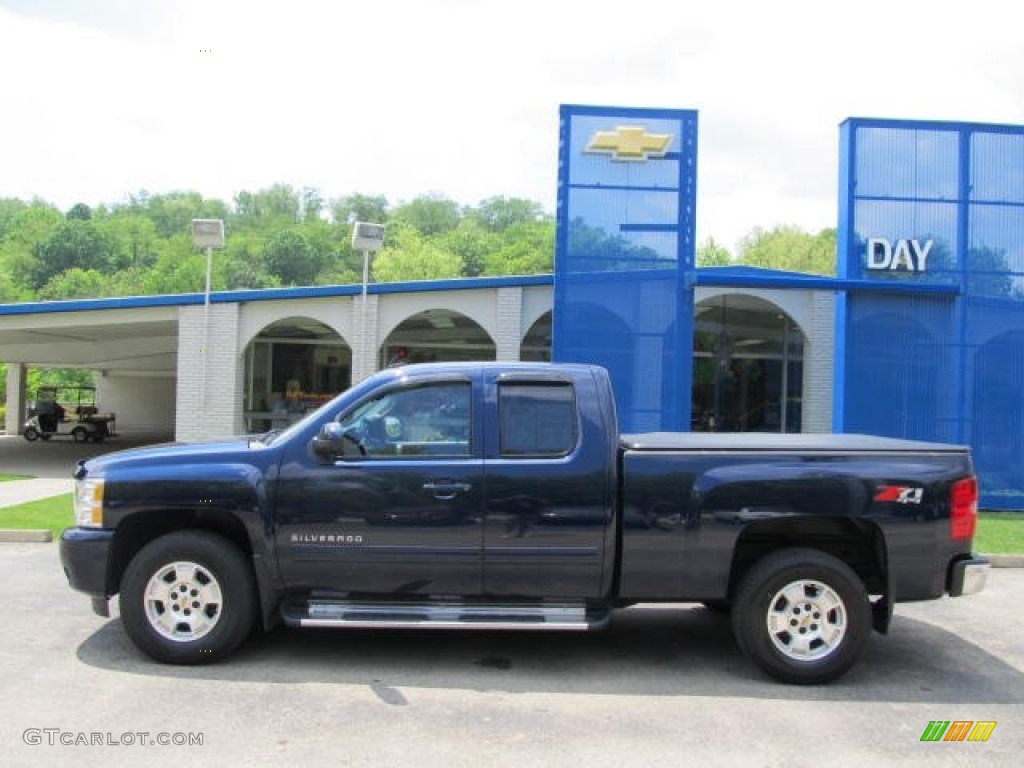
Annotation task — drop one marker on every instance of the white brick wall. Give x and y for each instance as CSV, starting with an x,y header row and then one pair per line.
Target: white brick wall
x,y
365,340
15,398
209,394
819,356
510,323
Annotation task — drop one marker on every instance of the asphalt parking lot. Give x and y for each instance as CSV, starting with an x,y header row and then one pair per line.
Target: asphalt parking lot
x,y
57,457
664,685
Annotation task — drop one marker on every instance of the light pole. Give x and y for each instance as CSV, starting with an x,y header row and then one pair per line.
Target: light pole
x,y
208,234
368,238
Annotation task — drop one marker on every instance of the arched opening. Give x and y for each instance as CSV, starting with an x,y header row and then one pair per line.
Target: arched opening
x,y
437,335
747,367
536,346
293,366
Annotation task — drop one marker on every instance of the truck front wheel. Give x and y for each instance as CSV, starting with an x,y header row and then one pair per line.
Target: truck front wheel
x,y
188,598
801,615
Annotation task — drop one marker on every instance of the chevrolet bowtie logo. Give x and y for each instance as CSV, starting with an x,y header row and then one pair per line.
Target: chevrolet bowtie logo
x,y
630,143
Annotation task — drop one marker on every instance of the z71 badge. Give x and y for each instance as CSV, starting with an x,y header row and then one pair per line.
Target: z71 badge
x,y
899,494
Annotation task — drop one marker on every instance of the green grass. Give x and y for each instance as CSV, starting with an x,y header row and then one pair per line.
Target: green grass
x,y
4,478
52,514
1000,533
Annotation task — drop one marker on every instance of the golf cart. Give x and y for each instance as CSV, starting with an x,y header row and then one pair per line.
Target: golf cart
x,y
68,411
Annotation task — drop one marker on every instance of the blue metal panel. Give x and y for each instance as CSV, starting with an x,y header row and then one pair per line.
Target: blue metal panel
x,y
900,376
624,256
917,164
926,366
997,167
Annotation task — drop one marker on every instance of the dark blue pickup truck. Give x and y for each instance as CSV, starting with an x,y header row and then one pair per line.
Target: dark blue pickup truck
x,y
501,496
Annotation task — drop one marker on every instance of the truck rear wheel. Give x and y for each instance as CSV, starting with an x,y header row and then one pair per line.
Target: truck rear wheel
x,y
188,598
802,616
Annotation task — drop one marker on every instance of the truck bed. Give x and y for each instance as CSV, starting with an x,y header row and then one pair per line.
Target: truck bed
x,y
796,443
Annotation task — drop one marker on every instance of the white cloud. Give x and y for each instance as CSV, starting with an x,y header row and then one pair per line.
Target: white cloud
x,y
399,97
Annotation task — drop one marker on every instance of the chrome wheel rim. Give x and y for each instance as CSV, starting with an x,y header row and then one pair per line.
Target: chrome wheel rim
x,y
807,620
183,601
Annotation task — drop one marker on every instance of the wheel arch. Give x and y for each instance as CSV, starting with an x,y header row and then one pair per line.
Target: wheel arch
x,y
858,543
139,529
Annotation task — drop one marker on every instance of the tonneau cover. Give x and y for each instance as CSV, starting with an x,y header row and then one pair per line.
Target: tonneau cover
x,y
769,442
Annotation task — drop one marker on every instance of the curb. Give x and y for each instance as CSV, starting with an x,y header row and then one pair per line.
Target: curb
x,y
1005,561
16,536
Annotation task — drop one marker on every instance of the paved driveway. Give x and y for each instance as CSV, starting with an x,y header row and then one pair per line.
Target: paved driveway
x,y
662,687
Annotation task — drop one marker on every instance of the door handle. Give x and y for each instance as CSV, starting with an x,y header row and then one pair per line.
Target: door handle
x,y
445,490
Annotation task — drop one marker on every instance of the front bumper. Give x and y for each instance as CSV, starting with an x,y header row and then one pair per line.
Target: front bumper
x,y
85,557
968,577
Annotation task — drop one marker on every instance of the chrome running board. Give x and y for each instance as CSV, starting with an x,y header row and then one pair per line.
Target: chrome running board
x,y
445,615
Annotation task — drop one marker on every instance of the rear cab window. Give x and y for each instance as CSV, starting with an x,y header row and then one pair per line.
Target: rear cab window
x,y
537,419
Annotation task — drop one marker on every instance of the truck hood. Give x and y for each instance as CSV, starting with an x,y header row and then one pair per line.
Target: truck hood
x,y
220,452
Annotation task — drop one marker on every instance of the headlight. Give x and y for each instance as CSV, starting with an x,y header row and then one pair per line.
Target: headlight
x,y
89,502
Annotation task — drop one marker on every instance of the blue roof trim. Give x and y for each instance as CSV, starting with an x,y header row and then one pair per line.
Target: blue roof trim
x,y
599,111
737,277
930,125
272,294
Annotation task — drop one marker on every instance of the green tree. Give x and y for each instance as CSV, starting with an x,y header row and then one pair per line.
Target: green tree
x,y
413,257
312,204
790,248
10,207
179,268
527,249
10,292
74,243
79,211
289,257
499,213
711,254
26,234
429,214
132,238
472,243
172,213
76,283
373,208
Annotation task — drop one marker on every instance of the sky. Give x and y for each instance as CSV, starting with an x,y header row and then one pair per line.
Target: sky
x,y
101,99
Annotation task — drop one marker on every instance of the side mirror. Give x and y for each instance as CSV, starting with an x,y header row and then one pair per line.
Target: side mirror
x,y
327,445
333,442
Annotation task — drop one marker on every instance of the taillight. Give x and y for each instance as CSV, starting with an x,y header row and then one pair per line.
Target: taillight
x,y
963,502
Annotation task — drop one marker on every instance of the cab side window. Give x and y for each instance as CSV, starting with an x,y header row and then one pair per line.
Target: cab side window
x,y
537,419
431,420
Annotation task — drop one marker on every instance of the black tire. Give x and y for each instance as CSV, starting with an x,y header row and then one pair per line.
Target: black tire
x,y
31,434
80,434
210,590
802,616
